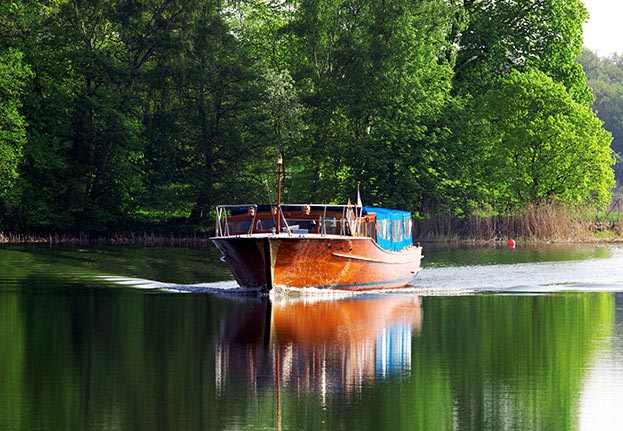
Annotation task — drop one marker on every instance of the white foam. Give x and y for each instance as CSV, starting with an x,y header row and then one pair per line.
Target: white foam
x,y
590,275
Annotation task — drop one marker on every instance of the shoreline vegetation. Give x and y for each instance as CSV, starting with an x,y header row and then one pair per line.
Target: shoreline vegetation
x,y
536,223
120,118
148,239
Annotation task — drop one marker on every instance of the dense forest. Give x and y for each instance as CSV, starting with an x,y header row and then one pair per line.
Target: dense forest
x,y
605,78
121,114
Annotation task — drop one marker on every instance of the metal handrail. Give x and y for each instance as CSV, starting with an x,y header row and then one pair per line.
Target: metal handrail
x,y
222,224
221,212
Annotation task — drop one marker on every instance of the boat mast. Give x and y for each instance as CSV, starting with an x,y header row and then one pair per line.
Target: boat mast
x,y
279,177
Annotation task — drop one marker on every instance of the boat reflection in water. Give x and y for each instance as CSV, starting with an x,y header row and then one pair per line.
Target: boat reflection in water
x,y
317,346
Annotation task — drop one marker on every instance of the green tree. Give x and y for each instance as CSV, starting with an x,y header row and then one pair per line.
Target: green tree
x,y
605,78
262,31
13,76
373,76
157,36
78,164
535,144
104,144
116,110
37,197
219,95
515,35
149,108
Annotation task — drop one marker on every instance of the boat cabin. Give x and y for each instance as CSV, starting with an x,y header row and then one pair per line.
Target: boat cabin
x,y
390,229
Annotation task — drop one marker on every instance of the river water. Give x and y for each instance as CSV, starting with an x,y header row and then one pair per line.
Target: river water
x,y
132,338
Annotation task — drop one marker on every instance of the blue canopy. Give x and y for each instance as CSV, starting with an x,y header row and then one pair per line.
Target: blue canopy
x,y
393,228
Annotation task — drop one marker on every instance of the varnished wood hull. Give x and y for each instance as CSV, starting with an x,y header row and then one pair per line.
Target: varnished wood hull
x,y
342,322
337,262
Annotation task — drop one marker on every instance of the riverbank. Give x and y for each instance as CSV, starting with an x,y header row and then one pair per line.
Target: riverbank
x,y
536,223
486,232
179,239
481,234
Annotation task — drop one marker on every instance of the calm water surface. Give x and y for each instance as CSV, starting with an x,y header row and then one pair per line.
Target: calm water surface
x,y
121,338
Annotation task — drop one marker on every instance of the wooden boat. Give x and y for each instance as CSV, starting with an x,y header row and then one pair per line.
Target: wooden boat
x,y
317,245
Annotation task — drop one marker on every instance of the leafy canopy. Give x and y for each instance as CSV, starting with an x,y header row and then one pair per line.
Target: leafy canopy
x,y
536,144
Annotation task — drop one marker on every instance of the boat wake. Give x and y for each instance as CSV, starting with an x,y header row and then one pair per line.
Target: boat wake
x,y
509,279
571,287
534,289
226,287
592,275
230,287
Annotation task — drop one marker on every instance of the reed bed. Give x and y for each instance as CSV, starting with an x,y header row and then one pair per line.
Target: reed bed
x,y
193,239
552,222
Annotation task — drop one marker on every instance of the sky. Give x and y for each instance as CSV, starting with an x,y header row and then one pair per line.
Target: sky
x,y
603,33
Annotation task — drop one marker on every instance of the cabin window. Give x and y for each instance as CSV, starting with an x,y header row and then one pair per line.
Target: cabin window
x,y
240,225
383,229
265,224
367,229
408,228
396,231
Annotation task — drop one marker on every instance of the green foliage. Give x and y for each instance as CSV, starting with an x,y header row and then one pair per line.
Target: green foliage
x,y
379,74
13,76
118,113
605,78
510,35
536,144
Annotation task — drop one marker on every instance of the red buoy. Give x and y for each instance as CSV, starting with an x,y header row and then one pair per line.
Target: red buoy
x,y
511,243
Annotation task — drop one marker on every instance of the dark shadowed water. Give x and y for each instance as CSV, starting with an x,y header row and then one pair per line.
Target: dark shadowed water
x,y
123,338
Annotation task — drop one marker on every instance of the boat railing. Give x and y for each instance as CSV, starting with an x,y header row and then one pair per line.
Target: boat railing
x,y
222,223
321,219
329,219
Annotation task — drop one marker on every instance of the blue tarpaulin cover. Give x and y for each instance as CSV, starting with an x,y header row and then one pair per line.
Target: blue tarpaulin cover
x,y
393,228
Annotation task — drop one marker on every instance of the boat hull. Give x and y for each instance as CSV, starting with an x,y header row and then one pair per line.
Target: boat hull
x,y
336,262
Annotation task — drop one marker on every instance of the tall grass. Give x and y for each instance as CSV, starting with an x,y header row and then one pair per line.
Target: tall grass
x,y
547,222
